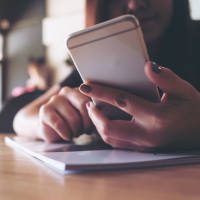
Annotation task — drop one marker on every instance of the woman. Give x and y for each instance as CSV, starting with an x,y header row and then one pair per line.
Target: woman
x,y
172,123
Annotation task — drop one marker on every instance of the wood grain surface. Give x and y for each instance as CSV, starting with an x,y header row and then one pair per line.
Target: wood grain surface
x,y
23,177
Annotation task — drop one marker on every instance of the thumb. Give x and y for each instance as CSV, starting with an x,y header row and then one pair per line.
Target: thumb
x,y
168,81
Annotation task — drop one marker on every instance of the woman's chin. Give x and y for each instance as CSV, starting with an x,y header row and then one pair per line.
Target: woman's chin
x,y
152,35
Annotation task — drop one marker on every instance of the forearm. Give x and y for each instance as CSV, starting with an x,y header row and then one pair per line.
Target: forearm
x,y
26,123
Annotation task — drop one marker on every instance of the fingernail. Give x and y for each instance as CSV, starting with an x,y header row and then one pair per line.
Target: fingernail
x,y
85,88
120,100
156,68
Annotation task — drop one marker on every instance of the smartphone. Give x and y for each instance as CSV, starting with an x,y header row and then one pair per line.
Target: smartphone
x,y
113,53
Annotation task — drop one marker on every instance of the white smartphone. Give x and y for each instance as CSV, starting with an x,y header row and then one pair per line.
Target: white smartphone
x,y
113,53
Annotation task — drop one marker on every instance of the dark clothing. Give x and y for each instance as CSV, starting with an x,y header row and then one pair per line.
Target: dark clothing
x,y
12,106
74,80
181,53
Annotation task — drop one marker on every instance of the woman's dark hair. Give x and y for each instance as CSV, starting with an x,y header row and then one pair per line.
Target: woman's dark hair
x,y
180,20
179,32
180,44
179,28
181,11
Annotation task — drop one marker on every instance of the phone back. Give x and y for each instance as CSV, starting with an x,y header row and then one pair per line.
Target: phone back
x,y
113,53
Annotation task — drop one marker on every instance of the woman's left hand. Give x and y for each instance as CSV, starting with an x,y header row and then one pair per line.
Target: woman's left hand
x,y
172,123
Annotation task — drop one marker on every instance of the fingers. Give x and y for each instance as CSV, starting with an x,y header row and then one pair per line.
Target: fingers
x,y
103,127
168,81
67,112
127,102
78,101
48,134
50,118
119,134
64,115
97,117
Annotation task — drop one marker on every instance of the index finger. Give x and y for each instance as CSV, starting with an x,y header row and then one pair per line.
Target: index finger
x,y
125,101
78,101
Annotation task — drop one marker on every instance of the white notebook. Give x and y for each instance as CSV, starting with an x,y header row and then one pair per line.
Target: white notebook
x,y
68,158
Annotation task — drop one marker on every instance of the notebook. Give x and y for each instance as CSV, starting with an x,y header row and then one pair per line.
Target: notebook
x,y
69,158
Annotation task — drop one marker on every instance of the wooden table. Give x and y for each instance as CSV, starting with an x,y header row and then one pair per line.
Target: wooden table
x,y
22,177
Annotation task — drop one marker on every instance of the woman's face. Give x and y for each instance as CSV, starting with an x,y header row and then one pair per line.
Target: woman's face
x,y
154,15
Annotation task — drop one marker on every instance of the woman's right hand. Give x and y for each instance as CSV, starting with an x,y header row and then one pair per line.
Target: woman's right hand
x,y
64,116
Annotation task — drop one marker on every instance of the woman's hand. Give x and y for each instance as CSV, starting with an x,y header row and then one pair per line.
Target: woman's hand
x,y
172,123
64,115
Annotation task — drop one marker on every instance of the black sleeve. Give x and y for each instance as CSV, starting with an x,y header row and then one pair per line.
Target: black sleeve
x,y
12,106
73,80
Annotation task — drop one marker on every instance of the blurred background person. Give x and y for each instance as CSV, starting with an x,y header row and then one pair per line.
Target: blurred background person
x,y
40,77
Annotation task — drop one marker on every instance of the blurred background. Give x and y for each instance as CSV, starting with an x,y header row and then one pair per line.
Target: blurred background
x,y
39,29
